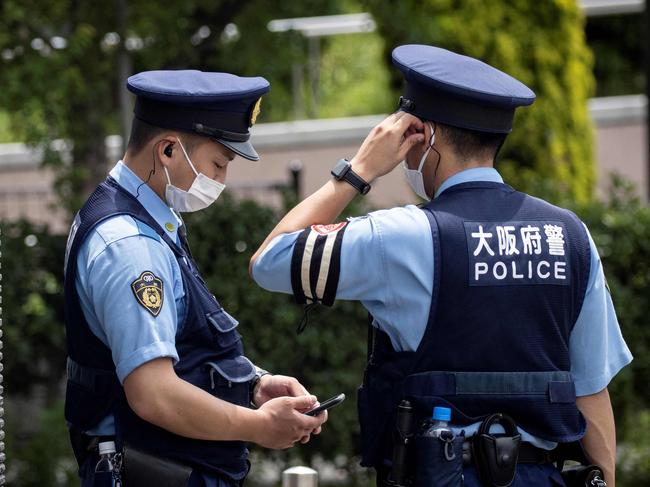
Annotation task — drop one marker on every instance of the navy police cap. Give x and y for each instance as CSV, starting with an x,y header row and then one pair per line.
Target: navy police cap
x,y
217,105
458,90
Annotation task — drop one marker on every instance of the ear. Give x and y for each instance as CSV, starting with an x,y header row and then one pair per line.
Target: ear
x,y
164,149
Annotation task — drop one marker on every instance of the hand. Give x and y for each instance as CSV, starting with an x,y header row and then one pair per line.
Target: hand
x,y
387,145
272,386
284,424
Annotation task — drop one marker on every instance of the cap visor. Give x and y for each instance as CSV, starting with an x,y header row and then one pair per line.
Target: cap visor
x,y
244,149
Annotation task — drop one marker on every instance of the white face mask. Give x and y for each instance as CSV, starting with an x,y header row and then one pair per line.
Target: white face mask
x,y
414,176
203,192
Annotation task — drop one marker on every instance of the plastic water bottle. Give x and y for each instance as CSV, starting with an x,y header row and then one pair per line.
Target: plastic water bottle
x,y
440,427
104,468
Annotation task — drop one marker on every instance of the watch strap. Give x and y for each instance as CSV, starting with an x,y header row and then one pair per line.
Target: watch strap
x,y
352,178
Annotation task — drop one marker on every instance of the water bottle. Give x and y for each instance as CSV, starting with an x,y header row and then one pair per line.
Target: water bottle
x,y
440,429
438,459
104,470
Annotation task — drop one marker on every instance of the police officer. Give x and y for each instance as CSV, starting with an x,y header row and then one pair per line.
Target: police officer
x,y
155,362
485,300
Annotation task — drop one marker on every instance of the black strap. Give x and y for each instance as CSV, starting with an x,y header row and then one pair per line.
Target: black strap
x,y
528,453
356,181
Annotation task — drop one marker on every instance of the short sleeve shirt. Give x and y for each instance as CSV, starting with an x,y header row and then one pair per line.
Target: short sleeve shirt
x,y
381,266
116,255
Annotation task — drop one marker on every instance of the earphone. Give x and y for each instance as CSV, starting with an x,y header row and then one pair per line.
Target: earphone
x,y
168,150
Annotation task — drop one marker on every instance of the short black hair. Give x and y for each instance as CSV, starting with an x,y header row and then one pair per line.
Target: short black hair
x,y
142,133
471,144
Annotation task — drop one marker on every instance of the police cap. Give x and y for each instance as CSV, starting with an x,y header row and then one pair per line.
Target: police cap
x,y
221,106
458,90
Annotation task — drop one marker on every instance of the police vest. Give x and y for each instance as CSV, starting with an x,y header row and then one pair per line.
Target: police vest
x,y
510,277
209,348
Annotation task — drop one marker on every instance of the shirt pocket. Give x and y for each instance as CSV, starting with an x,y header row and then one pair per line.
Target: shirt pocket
x,y
224,328
230,379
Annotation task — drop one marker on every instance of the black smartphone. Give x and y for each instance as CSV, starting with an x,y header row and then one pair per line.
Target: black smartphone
x,y
330,403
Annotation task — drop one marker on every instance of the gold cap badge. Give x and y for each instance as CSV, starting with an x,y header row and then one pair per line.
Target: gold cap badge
x,y
255,112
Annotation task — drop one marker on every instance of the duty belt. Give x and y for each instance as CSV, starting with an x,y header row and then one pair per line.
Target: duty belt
x,y
527,454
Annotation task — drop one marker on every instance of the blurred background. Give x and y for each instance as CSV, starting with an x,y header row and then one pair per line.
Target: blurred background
x,y
64,111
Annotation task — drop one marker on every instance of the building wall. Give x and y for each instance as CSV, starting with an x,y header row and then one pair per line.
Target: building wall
x,y
316,145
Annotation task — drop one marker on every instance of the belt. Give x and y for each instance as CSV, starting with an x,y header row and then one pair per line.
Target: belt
x,y
527,454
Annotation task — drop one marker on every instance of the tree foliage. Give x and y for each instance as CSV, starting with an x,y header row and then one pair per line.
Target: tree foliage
x,y
540,43
72,92
621,230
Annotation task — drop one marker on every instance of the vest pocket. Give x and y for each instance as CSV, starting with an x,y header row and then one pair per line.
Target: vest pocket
x,y
230,379
224,328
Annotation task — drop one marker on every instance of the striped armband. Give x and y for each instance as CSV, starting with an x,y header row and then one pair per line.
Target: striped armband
x,y
316,264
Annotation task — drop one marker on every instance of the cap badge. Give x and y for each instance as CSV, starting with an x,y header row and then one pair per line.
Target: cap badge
x,y
255,112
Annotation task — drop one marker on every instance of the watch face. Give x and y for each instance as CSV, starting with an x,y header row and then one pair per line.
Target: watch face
x,y
341,168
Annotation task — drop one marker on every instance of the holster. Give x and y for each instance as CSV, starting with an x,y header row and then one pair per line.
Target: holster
x,y
140,468
495,456
583,476
82,445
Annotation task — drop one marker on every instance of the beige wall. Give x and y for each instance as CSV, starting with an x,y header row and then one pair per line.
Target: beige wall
x,y
316,163
622,149
26,190
28,193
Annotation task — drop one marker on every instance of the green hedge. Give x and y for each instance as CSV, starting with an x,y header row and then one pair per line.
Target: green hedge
x,y
329,356
541,44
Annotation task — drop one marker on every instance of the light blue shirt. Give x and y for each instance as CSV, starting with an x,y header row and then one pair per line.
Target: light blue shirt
x,y
114,254
396,287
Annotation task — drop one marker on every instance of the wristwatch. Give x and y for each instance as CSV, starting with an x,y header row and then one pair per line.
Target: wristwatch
x,y
259,373
343,172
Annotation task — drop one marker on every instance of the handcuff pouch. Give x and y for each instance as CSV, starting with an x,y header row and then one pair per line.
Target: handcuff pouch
x,y
496,456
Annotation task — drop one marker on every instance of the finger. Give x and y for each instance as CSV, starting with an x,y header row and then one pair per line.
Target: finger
x,y
303,402
295,388
316,431
409,143
311,423
408,120
304,439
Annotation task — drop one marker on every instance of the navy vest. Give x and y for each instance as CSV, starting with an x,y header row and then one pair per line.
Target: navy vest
x,y
510,277
209,348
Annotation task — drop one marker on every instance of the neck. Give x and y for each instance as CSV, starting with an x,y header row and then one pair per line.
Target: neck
x,y
142,164
451,165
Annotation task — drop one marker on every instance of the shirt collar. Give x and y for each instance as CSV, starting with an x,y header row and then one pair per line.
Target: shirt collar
x,y
159,211
470,175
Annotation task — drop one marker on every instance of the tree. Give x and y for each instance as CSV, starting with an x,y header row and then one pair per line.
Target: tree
x,y
541,44
60,59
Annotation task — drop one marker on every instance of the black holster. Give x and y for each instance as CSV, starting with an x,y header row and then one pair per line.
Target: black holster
x,y
83,445
496,456
140,468
583,476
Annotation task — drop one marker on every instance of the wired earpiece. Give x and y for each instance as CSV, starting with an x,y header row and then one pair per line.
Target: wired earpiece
x,y
168,150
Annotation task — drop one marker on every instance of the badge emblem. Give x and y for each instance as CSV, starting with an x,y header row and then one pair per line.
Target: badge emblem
x,y
255,112
325,229
148,290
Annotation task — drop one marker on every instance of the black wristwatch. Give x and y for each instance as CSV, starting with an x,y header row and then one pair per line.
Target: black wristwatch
x,y
343,172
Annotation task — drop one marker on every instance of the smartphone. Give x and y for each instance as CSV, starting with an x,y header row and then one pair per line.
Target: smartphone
x,y
330,403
